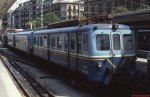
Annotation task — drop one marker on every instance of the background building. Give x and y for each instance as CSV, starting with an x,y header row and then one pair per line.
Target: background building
x,y
67,11
22,15
104,7
5,21
35,10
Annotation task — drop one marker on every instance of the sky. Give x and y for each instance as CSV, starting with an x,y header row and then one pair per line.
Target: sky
x,y
16,4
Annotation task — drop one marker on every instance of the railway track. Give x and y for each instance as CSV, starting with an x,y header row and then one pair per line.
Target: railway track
x,y
115,91
36,86
46,78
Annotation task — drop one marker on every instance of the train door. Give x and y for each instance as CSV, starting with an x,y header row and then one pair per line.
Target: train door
x,y
116,47
73,51
66,48
30,42
116,43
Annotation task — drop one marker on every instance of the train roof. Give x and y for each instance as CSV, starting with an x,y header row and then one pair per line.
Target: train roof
x,y
73,29
144,30
83,28
106,26
21,33
58,30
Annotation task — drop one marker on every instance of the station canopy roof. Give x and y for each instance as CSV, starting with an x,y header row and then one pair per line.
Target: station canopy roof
x,y
5,6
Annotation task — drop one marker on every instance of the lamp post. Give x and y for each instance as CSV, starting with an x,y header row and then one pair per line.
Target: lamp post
x,y
79,1
42,13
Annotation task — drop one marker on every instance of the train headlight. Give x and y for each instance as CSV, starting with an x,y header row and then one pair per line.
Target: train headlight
x,y
99,64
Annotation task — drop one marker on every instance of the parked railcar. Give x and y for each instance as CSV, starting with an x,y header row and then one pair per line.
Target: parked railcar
x,y
21,41
143,46
98,51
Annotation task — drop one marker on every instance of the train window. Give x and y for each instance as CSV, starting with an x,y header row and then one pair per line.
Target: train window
x,y
17,39
25,40
127,42
116,42
38,40
66,42
53,42
59,42
72,41
20,40
34,40
102,42
45,41
49,42
41,40
79,42
85,42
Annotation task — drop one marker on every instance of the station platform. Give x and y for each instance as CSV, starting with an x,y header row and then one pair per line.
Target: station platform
x,y
141,65
7,85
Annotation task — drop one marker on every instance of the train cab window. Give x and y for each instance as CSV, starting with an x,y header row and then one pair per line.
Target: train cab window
x,y
116,42
66,42
85,42
59,42
102,42
45,41
53,42
127,42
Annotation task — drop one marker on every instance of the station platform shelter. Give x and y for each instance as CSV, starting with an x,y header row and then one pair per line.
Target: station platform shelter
x,y
140,23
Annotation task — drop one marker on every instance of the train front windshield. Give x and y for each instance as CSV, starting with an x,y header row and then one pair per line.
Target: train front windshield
x,y
102,42
127,42
118,42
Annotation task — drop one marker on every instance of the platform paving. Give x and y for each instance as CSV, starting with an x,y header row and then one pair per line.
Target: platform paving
x,y
141,65
7,86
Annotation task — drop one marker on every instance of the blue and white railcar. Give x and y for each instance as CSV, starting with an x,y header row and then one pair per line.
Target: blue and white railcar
x,y
21,40
96,50
10,39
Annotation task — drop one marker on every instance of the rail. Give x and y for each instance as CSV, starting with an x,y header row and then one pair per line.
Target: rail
x,y
41,91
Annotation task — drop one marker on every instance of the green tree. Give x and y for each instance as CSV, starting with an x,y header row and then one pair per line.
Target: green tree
x,y
119,10
47,18
35,23
143,7
50,18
